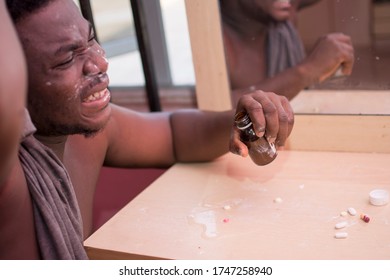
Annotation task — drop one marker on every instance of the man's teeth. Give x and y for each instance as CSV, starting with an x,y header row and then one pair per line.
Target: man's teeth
x,y
95,96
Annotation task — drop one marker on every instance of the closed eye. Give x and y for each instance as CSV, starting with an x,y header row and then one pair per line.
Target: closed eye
x,y
66,62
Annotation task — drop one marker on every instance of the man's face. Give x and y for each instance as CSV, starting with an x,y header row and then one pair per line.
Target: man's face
x,y
67,71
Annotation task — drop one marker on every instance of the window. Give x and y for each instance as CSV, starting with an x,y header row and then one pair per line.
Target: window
x,y
167,32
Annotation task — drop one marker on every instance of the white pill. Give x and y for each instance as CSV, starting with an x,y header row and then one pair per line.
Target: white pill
x,y
341,235
227,207
340,225
352,211
278,200
343,213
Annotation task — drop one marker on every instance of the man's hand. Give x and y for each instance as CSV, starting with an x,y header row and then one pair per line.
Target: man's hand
x,y
330,53
271,115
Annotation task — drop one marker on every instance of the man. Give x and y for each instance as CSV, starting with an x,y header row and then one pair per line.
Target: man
x,y
47,190
264,50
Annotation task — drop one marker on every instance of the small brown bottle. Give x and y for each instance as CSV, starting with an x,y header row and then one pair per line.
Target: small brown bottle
x,y
260,150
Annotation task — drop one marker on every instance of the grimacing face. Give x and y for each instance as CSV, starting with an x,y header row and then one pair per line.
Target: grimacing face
x,y
67,92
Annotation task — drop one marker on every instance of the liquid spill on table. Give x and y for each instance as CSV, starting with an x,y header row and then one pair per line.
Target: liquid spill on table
x,y
237,206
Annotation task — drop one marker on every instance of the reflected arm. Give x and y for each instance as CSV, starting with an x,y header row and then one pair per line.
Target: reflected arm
x,y
287,83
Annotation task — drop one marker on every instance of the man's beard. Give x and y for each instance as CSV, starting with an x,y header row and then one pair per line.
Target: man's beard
x,y
56,129
61,130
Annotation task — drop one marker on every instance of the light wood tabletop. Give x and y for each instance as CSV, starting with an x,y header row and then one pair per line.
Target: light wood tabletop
x,y
232,209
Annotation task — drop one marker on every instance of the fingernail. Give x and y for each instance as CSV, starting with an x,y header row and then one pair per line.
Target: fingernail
x,y
271,140
260,132
280,145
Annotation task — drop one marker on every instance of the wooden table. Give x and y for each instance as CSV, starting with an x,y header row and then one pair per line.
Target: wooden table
x,y
233,209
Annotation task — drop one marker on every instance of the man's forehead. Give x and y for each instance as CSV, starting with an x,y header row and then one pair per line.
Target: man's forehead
x,y
58,22
57,14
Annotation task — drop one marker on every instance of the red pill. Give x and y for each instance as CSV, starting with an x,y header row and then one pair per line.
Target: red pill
x,y
365,218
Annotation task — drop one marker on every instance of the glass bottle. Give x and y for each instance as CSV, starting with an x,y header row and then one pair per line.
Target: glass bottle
x,y
260,150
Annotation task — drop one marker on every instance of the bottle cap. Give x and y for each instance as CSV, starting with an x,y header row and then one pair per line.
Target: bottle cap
x,y
379,197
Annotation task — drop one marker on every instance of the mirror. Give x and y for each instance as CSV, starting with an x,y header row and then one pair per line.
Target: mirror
x,y
367,89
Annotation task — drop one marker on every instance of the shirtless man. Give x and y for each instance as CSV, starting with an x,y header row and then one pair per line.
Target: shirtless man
x,y
246,25
79,131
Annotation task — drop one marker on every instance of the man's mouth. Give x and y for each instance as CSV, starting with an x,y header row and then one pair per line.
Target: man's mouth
x,y
96,101
95,96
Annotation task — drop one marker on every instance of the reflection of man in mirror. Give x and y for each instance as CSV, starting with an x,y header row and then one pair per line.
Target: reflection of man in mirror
x,y
264,50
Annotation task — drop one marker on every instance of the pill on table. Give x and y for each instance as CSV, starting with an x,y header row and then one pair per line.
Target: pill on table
x,y
343,213
278,200
227,207
351,211
341,225
365,218
341,235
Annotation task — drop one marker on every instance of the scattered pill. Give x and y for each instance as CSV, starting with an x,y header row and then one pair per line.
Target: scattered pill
x,y
226,220
278,200
340,225
341,235
351,211
227,207
365,218
344,213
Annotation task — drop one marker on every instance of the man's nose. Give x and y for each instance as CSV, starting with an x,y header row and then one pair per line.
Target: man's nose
x,y
96,62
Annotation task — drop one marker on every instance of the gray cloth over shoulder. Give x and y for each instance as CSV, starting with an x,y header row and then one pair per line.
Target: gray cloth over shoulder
x,y
57,216
284,47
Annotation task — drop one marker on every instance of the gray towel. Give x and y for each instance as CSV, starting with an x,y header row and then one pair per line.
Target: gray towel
x,y
284,47
56,212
